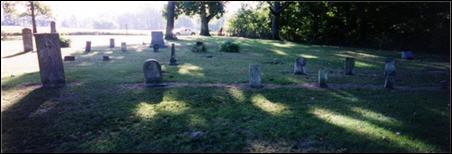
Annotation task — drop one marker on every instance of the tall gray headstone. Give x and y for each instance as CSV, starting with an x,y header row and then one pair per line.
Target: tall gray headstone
x,y
27,39
255,76
123,46
390,72
173,55
88,46
112,43
349,66
50,62
152,73
299,66
157,38
322,78
52,27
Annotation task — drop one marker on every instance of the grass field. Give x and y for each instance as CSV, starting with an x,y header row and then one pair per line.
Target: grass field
x,y
102,110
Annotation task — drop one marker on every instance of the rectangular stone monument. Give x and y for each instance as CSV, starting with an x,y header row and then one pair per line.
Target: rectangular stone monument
x,y
112,43
123,47
157,38
349,65
88,46
255,76
106,58
69,58
322,78
52,27
27,39
390,72
50,62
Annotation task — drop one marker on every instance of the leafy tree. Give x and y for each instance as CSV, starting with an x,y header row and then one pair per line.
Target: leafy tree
x,y
35,8
276,8
170,13
206,10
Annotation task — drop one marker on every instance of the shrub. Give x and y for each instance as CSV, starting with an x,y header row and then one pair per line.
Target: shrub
x,y
65,42
199,47
228,46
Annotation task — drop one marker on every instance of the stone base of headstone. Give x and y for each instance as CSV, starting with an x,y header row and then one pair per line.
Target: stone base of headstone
x,y
106,58
50,62
255,76
322,79
349,66
69,58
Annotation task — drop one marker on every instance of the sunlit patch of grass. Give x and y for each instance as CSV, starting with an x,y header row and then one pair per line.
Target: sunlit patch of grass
x,y
374,115
237,94
279,52
363,64
148,111
371,130
190,69
268,106
308,56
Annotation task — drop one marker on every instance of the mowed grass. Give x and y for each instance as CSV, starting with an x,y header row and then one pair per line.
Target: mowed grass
x,y
98,112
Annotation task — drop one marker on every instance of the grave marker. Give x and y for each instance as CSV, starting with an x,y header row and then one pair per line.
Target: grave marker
x,y
255,76
173,56
157,38
299,66
88,46
50,63
390,72
27,39
152,73
349,65
112,43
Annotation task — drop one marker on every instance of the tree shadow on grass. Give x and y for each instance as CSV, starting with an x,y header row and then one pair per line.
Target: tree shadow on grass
x,y
16,54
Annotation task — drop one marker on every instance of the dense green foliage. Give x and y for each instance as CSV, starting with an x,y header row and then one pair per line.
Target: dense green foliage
x,y
395,26
229,46
65,42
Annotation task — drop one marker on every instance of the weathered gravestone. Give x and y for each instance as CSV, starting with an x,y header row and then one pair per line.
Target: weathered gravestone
x,y
88,46
390,72
69,58
152,73
27,39
407,55
173,55
255,76
157,38
123,46
299,66
105,58
50,62
52,27
349,65
112,43
322,78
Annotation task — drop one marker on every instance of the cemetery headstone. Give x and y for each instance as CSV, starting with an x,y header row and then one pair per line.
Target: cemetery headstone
x,y
105,58
123,46
299,66
322,78
88,46
27,39
199,47
390,72
52,27
349,65
152,73
407,55
157,38
173,55
50,62
255,76
112,43
69,58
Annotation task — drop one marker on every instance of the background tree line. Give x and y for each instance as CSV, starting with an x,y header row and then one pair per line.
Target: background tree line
x,y
416,26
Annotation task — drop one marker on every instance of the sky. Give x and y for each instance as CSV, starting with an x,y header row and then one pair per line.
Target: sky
x,y
64,9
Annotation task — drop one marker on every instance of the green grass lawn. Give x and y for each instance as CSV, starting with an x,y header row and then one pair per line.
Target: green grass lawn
x,y
98,112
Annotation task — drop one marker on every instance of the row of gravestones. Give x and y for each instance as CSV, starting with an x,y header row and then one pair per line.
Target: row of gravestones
x,y
52,71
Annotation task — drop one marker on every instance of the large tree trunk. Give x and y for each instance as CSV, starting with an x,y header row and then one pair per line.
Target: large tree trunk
x,y
275,20
204,22
33,20
170,21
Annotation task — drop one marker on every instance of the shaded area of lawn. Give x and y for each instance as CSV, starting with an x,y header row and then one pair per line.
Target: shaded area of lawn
x,y
105,118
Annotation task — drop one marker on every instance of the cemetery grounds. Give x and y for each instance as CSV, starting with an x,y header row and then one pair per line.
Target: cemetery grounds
x,y
208,106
